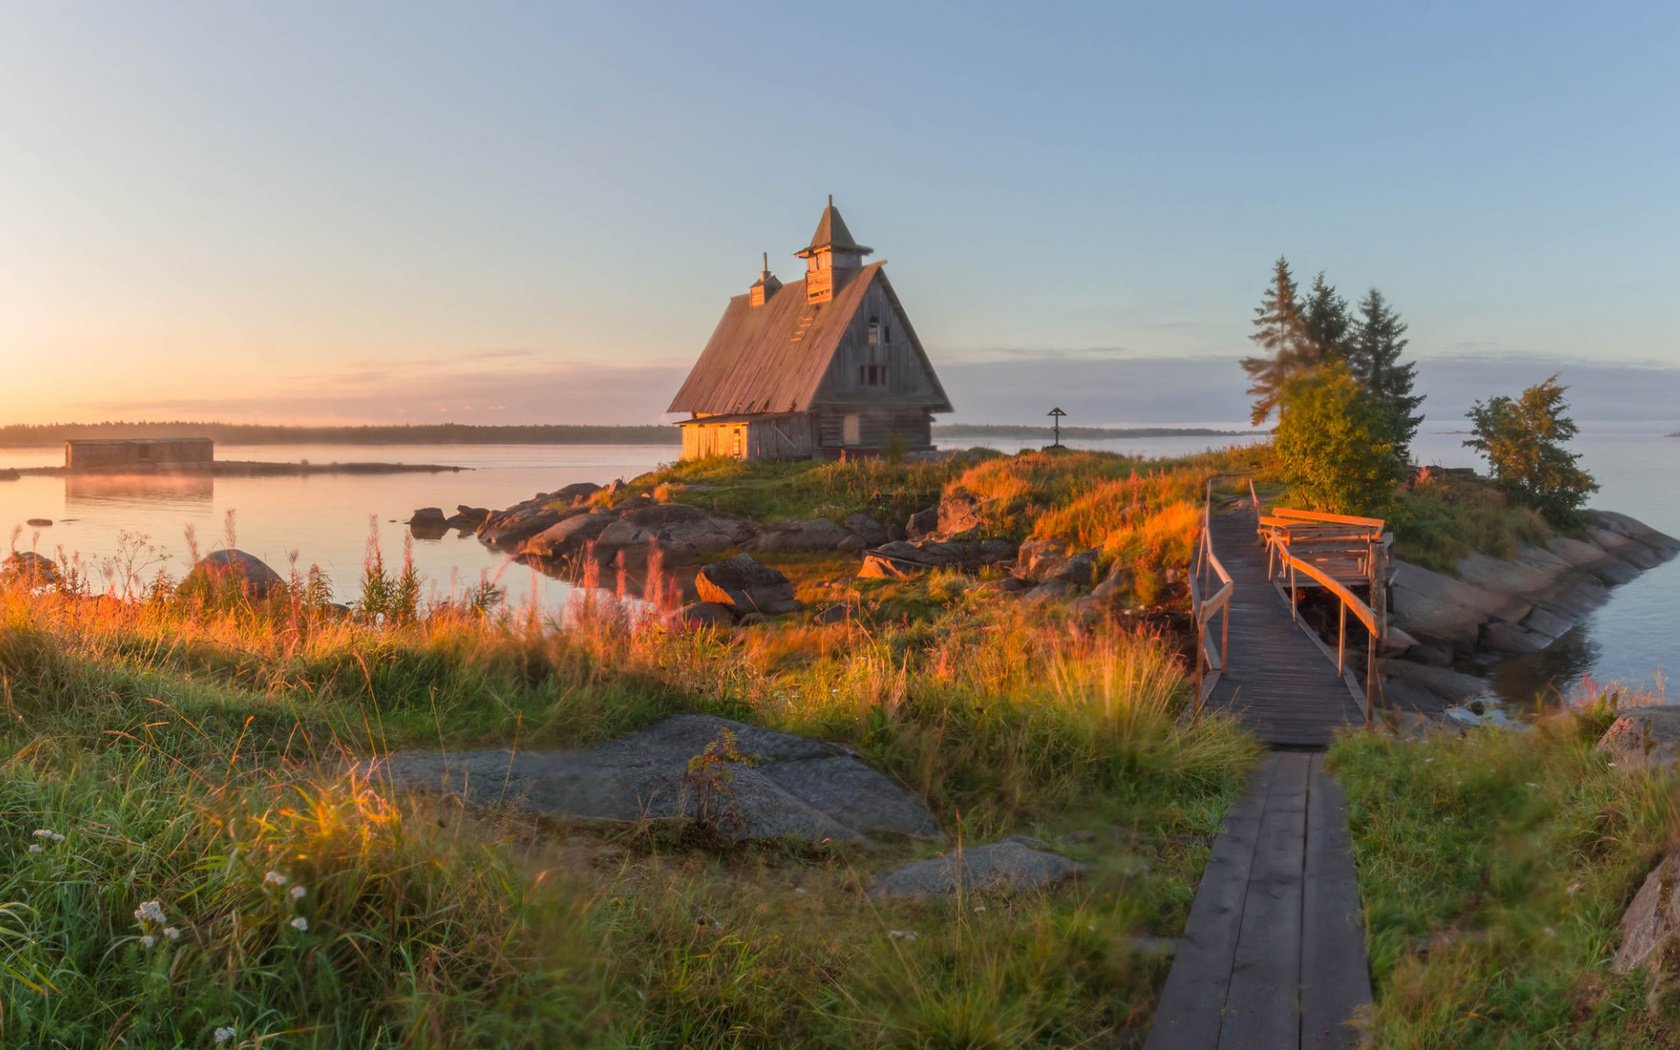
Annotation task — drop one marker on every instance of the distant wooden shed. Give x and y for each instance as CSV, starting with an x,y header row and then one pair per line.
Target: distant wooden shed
x,y
138,453
815,367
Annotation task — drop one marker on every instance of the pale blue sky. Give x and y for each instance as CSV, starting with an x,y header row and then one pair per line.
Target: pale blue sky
x,y
428,212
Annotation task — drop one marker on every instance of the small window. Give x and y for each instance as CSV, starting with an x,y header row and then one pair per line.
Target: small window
x,y
886,333
874,332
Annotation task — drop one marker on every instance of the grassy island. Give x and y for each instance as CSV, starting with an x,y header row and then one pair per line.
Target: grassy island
x,y
188,848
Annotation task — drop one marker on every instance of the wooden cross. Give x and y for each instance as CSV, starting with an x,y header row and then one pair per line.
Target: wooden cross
x,y
1056,415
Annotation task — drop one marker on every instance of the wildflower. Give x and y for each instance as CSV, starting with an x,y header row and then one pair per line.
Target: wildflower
x,y
34,847
47,833
298,893
300,924
222,1035
902,935
274,878
147,941
172,933
151,911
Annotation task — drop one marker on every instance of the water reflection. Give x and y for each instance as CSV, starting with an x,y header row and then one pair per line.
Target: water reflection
x,y
95,491
1541,677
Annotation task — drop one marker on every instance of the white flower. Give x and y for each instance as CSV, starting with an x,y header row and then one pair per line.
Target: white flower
x,y
222,1035
34,847
274,878
300,924
172,933
298,893
902,935
43,833
151,911
147,941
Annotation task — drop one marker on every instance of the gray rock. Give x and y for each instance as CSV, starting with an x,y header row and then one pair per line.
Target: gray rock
x,y
1443,682
800,537
895,532
746,586
1011,866
508,529
852,544
579,492
429,518
922,523
1079,569
623,534
904,559
39,523
1052,590
29,569
1651,924
867,529
790,787
1644,738
568,535
1039,559
704,614
249,574
961,514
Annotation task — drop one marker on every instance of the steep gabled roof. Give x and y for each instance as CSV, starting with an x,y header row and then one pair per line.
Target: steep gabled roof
x,y
773,358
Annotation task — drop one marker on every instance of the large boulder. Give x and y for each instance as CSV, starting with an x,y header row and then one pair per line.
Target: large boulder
x,y
1011,866
923,523
745,586
776,785
801,537
867,529
1651,924
578,492
569,535
700,615
961,514
904,559
1644,737
467,518
429,518
510,528
29,569
233,568
684,532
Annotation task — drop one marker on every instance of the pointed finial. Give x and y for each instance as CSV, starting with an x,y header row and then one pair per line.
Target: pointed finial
x,y
831,200
766,256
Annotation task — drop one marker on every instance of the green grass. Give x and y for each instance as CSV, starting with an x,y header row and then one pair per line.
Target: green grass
x,y
185,746
1438,524
1494,870
767,491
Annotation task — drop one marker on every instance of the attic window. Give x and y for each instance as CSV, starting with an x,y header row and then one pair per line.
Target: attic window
x,y
874,332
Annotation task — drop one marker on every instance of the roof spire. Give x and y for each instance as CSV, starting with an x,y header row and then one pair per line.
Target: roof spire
x,y
832,236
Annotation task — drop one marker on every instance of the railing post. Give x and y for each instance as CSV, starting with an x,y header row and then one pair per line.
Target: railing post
x,y
1341,638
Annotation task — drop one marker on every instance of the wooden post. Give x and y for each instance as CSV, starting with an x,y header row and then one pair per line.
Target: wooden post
x,y
1341,639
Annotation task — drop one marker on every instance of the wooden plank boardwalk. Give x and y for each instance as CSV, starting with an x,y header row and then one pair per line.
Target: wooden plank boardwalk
x,y
1275,679
1273,956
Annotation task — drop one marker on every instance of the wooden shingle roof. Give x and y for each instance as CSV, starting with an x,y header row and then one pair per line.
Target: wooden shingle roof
x,y
772,358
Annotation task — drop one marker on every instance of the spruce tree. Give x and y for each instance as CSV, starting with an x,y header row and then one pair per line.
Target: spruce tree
x,y
1327,328
1378,339
1280,331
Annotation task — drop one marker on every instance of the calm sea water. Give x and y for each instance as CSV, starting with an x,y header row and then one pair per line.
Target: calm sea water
x,y
328,520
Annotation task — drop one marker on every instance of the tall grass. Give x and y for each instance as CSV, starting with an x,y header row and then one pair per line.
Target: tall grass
x,y
188,745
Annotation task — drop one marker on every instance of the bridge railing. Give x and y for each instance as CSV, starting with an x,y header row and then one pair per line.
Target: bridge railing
x,y
1332,550
1210,596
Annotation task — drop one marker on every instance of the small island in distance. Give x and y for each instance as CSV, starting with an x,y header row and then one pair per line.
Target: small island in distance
x,y
25,435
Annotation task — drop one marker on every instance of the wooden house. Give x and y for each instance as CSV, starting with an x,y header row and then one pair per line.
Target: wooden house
x,y
815,367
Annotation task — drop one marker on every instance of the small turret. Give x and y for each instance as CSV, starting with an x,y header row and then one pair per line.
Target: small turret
x,y
832,254
766,285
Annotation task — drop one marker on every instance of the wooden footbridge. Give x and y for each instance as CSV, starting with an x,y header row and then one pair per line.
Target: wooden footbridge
x,y
1273,955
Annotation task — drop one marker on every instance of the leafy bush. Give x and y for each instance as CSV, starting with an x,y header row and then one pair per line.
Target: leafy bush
x,y
1523,441
1333,444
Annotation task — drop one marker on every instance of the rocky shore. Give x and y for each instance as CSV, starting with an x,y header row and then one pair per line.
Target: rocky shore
x,y
1500,607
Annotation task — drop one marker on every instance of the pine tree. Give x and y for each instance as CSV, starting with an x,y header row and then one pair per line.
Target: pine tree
x,y
1378,339
1327,327
1280,331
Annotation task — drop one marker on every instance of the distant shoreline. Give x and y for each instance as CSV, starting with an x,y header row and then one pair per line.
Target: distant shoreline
x,y
242,469
54,434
